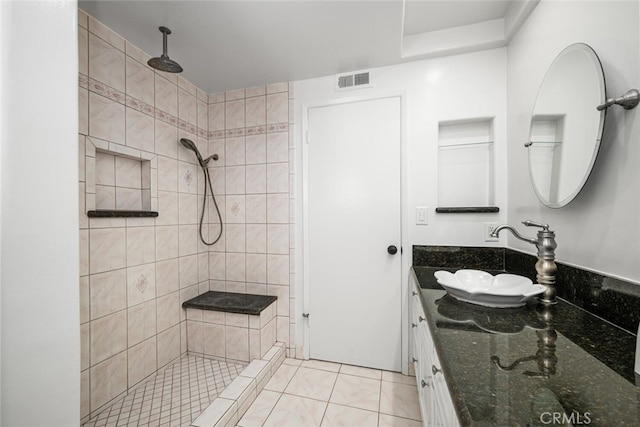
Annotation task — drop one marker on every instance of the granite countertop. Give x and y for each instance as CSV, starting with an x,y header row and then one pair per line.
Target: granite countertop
x,y
522,366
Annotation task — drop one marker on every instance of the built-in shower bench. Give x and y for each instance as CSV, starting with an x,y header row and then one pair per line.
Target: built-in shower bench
x,y
232,326
235,327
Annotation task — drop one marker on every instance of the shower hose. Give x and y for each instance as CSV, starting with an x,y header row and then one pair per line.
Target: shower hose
x,y
207,182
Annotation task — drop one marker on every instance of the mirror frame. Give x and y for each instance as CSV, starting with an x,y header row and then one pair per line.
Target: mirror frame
x,y
598,137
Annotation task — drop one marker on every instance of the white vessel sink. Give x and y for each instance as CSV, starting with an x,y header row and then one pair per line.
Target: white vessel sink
x,y
480,287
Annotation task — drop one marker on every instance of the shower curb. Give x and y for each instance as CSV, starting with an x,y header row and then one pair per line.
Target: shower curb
x,y
233,402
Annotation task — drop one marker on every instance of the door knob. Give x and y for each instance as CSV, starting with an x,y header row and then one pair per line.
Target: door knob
x,y
392,250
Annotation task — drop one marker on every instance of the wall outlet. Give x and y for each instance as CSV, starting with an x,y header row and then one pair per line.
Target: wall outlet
x,y
488,229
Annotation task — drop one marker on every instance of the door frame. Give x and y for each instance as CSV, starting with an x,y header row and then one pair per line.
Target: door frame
x,y
371,95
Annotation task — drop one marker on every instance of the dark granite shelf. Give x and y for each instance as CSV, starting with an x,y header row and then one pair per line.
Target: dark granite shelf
x,y
115,213
231,302
468,209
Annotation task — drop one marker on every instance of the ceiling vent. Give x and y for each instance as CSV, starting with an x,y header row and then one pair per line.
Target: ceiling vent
x,y
353,81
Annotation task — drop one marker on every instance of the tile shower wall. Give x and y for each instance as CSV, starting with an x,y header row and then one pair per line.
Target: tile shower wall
x,y
136,272
250,130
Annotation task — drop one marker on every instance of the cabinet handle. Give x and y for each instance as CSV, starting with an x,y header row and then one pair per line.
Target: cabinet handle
x,y
423,384
421,319
435,370
414,293
414,359
413,325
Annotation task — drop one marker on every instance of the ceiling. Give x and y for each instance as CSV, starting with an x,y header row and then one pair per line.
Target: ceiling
x,y
427,16
224,45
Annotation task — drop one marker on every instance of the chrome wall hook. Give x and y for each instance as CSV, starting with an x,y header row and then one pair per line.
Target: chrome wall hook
x,y
628,101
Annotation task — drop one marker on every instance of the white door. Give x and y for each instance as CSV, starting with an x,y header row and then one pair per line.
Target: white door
x,y
353,214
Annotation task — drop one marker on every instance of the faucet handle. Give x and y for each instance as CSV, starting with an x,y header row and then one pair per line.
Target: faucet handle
x,y
530,223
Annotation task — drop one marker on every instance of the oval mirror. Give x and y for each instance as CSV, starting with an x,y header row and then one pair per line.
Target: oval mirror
x,y
566,127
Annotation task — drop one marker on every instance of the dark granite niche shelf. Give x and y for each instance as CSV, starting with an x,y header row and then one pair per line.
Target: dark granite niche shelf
x,y
468,209
114,213
231,302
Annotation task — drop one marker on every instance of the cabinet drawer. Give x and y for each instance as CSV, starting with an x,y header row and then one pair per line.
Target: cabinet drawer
x,y
443,404
417,315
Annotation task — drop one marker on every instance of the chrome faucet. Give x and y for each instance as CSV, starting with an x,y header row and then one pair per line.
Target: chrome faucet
x,y
546,267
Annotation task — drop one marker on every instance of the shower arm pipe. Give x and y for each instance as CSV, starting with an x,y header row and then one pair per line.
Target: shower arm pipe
x,y
213,157
165,32
163,62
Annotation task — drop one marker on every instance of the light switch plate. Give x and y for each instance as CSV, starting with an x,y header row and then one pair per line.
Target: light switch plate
x,y
422,216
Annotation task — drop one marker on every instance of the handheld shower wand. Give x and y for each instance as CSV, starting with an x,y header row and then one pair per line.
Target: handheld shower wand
x,y
187,143
191,146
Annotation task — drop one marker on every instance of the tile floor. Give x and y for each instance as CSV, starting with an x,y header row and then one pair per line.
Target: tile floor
x,y
315,393
173,398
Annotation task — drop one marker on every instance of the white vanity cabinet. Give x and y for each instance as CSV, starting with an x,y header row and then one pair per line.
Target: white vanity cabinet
x,y
435,401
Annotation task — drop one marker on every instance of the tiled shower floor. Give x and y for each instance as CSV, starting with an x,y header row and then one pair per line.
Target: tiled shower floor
x,y
174,397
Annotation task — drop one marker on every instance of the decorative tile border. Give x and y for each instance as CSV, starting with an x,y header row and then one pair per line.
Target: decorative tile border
x,y
83,81
247,131
140,106
106,91
102,89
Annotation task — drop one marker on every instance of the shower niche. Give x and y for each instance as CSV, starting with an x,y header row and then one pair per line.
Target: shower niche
x,y
120,181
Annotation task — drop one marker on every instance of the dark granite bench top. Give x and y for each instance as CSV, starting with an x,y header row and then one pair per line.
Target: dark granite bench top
x,y
230,302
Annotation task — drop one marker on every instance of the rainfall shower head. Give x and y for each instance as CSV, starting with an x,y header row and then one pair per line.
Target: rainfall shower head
x,y
164,63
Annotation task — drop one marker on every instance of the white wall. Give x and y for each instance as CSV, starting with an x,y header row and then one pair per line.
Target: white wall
x,y
39,253
600,229
457,87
